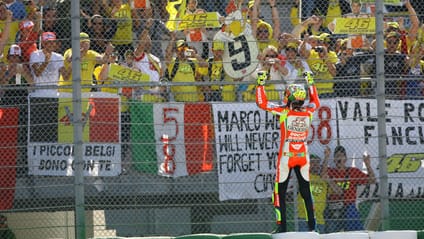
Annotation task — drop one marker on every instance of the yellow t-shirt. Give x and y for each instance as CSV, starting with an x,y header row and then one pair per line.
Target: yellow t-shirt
x,y
319,194
333,11
14,28
271,93
88,62
320,70
186,93
123,35
228,91
294,16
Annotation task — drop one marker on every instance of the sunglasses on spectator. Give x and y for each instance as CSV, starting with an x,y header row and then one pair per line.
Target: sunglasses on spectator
x,y
182,48
291,49
272,56
263,31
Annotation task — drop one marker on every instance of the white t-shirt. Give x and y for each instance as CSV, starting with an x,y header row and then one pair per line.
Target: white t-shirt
x,y
143,65
50,75
294,73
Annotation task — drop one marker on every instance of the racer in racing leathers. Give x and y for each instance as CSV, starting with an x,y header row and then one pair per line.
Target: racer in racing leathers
x,y
295,121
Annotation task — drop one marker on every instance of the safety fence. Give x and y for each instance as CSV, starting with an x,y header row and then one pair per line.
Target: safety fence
x,y
178,147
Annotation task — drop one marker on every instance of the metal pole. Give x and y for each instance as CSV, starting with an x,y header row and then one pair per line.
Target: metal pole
x,y
381,100
77,122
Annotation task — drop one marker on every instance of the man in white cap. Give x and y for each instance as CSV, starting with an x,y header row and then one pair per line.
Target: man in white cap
x,y
47,65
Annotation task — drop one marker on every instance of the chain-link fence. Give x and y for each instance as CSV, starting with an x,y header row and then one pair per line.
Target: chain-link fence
x,y
172,140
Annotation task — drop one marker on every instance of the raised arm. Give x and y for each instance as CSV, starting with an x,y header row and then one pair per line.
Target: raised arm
x,y
144,40
415,22
6,30
170,48
255,17
314,102
275,19
367,161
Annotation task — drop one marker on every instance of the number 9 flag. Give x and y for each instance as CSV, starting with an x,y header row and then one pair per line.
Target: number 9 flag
x,y
241,56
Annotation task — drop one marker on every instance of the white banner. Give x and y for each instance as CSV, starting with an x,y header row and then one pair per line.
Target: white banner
x,y
247,142
50,134
51,159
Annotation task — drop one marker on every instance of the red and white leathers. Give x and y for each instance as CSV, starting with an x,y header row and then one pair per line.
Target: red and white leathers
x,y
293,152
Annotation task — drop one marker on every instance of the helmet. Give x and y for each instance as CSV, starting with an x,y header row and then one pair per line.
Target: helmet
x,y
294,92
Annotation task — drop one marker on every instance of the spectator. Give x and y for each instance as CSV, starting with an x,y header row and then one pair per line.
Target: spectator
x,y
182,68
157,32
17,76
341,213
415,62
273,63
313,26
5,28
395,65
101,73
407,37
100,31
215,72
129,59
12,27
52,23
293,153
329,9
318,179
294,13
264,33
17,8
141,9
149,64
5,231
121,13
349,69
213,6
322,62
197,37
284,39
33,13
355,41
89,59
46,65
333,8
27,38
295,65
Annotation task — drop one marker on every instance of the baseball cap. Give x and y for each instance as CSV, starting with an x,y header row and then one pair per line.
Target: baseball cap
x,y
26,24
393,34
48,36
180,43
393,25
250,4
84,37
15,50
325,37
292,45
129,53
217,45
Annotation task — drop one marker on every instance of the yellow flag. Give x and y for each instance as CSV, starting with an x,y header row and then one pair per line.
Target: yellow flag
x,y
176,10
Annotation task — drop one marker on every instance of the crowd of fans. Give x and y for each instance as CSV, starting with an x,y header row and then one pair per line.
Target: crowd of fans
x,y
36,48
